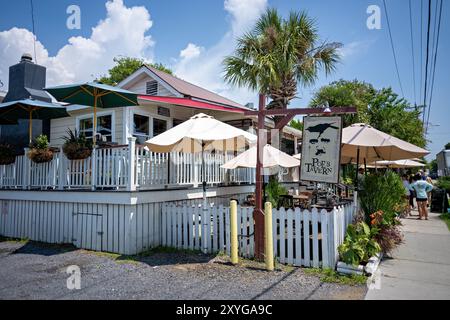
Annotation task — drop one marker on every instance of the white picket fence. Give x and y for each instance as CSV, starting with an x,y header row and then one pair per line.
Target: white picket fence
x,y
121,167
300,237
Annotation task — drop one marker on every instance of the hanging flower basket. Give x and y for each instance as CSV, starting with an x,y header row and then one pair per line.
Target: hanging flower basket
x,y
74,151
7,154
76,147
40,151
40,155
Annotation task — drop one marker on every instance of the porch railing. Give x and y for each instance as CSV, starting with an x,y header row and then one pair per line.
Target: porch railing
x,y
127,167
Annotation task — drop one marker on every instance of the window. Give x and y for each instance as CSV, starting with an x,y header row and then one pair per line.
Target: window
x,y
104,127
141,128
152,88
159,126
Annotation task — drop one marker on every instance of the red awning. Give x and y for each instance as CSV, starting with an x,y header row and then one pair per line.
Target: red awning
x,y
186,102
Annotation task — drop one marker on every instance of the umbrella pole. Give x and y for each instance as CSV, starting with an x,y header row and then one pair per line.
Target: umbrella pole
x,y
365,167
355,194
94,128
30,127
205,236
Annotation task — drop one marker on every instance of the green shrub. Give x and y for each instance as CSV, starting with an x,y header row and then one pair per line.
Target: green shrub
x,y
359,244
444,183
381,192
40,142
274,190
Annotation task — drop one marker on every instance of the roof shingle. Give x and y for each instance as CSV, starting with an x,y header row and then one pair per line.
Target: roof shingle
x,y
191,90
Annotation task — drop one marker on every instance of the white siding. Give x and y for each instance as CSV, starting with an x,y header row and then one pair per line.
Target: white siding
x,y
59,127
140,87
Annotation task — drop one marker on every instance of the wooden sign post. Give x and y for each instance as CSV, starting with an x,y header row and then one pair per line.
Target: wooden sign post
x,y
288,115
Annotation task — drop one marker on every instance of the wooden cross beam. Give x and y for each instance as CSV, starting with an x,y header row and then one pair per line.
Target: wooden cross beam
x,y
288,115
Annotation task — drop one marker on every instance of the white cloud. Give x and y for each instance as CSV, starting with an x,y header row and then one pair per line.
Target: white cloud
x,y
355,48
191,51
122,32
205,69
244,13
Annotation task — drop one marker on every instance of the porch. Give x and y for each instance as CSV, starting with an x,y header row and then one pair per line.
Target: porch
x,y
125,168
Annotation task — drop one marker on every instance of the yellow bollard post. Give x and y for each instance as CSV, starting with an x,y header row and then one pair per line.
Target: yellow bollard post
x,y
268,236
234,232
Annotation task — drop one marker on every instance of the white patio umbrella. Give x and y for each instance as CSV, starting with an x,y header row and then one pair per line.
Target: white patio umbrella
x,y
272,157
200,133
361,141
408,163
298,156
374,145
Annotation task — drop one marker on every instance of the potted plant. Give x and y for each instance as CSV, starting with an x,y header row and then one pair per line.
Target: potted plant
x,y
40,151
358,249
76,146
7,154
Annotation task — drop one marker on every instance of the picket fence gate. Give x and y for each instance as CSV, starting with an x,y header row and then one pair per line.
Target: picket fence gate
x,y
300,237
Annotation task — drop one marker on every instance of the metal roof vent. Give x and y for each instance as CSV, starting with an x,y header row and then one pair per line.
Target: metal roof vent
x,y
26,57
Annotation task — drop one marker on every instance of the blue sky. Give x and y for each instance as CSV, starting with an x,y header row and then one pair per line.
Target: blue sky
x,y
193,36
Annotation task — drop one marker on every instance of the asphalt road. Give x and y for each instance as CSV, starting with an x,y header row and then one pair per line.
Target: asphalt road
x,y
35,271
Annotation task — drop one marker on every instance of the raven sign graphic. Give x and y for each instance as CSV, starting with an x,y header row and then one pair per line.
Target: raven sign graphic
x,y
321,149
321,128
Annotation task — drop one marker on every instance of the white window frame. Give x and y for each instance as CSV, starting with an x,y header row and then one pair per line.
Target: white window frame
x,y
151,116
111,113
167,119
143,114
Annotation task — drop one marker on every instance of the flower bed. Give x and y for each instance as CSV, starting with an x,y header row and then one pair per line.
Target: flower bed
x,y
378,230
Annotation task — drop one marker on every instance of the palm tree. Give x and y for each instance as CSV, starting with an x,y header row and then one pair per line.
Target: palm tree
x,y
278,55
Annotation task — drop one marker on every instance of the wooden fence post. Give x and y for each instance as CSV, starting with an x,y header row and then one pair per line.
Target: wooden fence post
x,y
269,236
131,185
233,231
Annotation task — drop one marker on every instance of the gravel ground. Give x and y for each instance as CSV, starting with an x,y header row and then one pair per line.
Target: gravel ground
x,y
37,271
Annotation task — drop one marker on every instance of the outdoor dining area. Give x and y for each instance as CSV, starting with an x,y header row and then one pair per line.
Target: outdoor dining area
x,y
218,149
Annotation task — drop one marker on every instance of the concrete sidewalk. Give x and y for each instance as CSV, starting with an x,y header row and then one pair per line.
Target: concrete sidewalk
x,y
420,268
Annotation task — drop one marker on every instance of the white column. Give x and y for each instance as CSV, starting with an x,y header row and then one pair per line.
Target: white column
x,y
26,170
131,185
61,169
295,145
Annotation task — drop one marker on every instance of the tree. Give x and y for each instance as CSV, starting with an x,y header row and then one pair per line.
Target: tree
x,y
278,55
296,124
345,93
433,166
395,116
447,146
125,66
382,109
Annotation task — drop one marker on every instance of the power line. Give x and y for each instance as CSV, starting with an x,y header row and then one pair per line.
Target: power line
x,y
426,62
421,48
34,30
433,40
434,65
412,52
392,46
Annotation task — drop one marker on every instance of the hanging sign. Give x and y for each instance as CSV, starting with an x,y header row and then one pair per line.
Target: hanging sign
x,y
321,149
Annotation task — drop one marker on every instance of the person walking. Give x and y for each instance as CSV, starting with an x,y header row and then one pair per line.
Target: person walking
x,y
407,196
421,187
412,193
